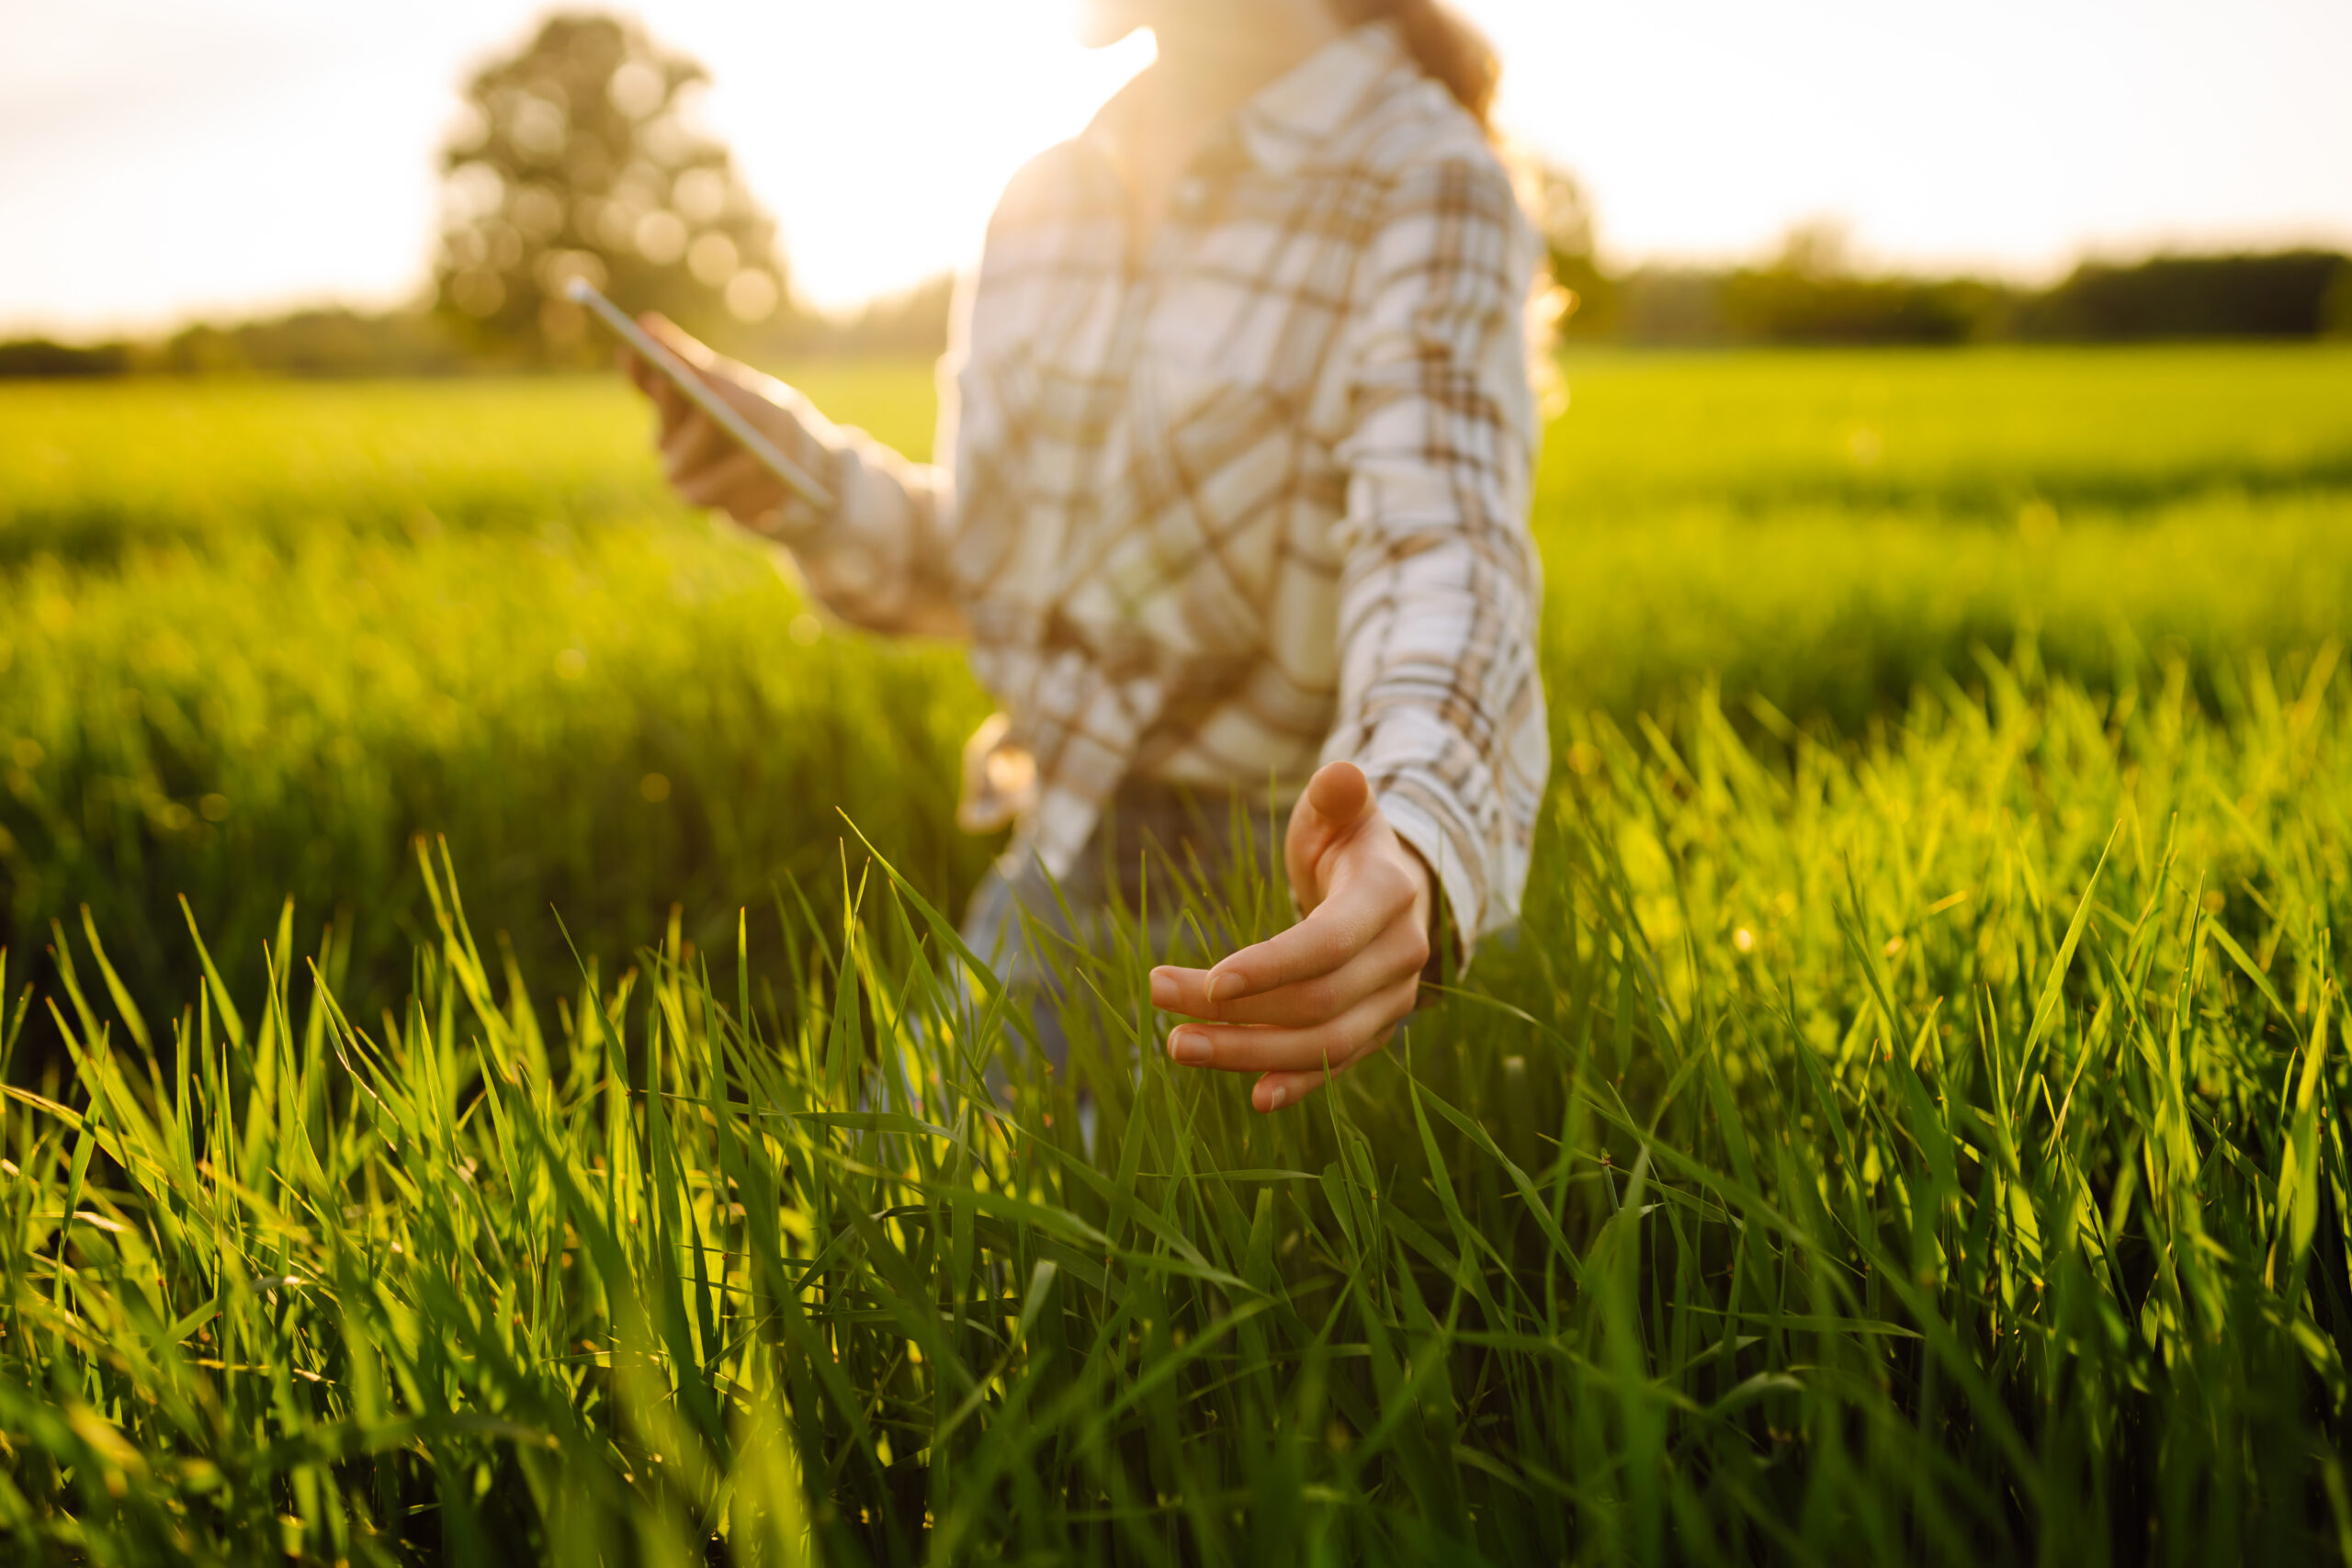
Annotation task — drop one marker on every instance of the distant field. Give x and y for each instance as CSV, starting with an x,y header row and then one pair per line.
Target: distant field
x,y
1968,436
88,470
1908,1126
1961,436
342,613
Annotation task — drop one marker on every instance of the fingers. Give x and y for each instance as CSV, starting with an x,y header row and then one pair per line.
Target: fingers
x,y
714,373
692,441
1338,801
1243,1048
1315,998
1275,1090
737,483
667,401
651,381
734,383
701,463
678,341
1340,794
676,419
1339,929
1396,951
705,466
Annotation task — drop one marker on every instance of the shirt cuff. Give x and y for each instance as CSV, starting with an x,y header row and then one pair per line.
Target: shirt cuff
x,y
1455,885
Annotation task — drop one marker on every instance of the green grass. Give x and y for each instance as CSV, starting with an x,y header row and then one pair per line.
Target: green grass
x,y
89,471
342,615
1872,1158
1970,436
603,721
1908,1125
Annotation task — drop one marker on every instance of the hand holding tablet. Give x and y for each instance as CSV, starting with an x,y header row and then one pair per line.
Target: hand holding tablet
x,y
697,390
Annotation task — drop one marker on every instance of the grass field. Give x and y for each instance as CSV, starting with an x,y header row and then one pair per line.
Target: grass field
x,y
1908,1125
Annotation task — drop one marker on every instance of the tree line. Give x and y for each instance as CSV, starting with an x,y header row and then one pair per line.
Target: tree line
x,y
1810,291
2300,294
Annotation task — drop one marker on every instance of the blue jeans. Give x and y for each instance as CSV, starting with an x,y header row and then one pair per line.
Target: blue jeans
x,y
1156,844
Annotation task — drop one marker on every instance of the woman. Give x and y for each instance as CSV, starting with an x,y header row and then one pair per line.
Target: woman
x,y
1241,429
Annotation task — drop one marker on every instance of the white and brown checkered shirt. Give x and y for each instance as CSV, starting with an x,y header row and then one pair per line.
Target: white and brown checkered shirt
x,y
1244,499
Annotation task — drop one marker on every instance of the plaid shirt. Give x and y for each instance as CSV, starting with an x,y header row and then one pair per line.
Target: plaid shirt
x,y
1241,500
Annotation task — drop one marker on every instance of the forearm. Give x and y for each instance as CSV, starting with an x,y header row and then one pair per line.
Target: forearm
x,y
877,558
1443,709
1440,702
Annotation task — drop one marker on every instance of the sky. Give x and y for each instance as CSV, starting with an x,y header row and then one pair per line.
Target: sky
x,y
163,159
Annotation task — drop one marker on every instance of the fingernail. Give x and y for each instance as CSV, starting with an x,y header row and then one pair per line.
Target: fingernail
x,y
1227,985
1275,1097
1189,1046
1163,989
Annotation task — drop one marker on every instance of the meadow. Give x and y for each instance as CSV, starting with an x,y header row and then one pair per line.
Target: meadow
x,y
488,1078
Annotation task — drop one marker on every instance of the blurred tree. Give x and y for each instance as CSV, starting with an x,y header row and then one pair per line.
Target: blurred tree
x,y
38,357
1820,250
1813,292
582,160
331,341
2336,310
910,322
2285,294
1562,210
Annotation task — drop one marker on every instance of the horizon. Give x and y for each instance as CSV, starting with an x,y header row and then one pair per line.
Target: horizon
x,y
159,168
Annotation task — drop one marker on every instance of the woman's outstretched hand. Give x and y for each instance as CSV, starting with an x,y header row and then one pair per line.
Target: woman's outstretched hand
x,y
1329,991
701,461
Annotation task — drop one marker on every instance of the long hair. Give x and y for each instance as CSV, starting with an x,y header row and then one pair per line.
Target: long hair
x,y
1449,48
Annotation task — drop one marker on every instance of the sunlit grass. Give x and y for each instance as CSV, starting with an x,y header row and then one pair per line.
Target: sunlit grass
x,y
254,651
1925,1151
606,720
1907,1125
90,470
1971,436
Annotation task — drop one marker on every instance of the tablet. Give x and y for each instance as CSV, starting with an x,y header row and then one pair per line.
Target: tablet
x,y
663,358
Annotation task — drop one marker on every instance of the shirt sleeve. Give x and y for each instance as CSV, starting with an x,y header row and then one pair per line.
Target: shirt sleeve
x,y
1440,698
878,557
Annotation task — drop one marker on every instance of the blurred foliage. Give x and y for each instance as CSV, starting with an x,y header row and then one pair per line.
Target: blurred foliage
x,y
1562,211
331,341
42,358
584,160
914,322
313,342
2293,294
1813,291
341,343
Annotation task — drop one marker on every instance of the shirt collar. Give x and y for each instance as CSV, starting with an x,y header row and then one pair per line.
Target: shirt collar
x,y
1287,120
1281,125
